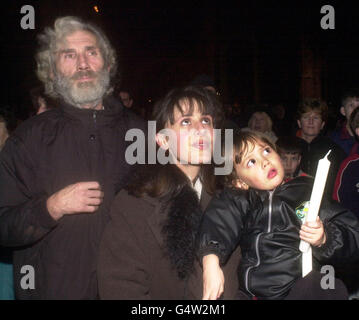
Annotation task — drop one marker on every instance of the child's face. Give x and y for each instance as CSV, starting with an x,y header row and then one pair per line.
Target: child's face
x,y
290,163
349,106
260,168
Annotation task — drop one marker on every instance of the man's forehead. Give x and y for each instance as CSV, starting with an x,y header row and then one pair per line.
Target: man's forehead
x,y
78,38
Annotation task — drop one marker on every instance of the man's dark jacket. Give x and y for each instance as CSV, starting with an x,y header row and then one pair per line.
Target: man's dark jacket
x,y
45,154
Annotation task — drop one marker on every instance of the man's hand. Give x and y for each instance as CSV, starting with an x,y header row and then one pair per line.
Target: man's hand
x,y
213,278
75,198
313,233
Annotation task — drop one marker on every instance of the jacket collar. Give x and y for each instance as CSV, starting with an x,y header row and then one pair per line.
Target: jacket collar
x,y
113,109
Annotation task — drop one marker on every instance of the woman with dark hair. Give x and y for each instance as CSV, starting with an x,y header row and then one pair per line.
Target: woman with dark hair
x,y
148,247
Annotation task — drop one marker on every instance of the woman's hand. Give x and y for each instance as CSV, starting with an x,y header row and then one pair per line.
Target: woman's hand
x,y
213,278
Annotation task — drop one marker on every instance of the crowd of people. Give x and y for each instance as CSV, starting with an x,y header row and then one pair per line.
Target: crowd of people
x,y
93,225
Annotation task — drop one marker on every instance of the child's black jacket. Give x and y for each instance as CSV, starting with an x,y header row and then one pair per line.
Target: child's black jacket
x,y
266,225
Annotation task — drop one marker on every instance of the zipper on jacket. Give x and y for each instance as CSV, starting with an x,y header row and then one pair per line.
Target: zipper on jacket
x,y
257,242
270,211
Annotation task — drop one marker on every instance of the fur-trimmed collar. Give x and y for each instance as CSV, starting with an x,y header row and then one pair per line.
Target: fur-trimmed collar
x,y
180,229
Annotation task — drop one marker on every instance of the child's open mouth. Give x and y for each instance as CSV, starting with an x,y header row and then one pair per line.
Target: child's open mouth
x,y
272,173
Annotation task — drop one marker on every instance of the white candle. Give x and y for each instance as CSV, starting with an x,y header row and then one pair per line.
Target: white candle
x,y
314,205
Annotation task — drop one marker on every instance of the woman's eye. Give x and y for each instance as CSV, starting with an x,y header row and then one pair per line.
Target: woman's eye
x,y
251,163
185,122
206,121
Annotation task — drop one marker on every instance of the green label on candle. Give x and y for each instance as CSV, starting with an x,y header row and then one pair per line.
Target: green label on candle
x,y
302,211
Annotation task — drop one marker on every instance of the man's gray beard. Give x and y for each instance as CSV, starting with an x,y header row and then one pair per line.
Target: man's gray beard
x,y
87,93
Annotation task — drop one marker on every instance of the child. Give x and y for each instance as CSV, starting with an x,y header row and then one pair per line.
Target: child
x,y
343,135
290,152
346,189
263,216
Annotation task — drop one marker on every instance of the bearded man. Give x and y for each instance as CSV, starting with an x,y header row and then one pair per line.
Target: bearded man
x,y
60,170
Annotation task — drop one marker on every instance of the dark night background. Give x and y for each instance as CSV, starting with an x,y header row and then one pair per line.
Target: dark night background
x,y
251,49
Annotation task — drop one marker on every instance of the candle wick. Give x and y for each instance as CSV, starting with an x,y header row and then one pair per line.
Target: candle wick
x,y
326,156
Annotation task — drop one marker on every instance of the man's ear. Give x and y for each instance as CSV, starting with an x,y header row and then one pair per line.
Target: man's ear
x,y
342,111
238,183
162,141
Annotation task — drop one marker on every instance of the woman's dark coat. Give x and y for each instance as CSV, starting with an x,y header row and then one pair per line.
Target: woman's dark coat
x,y
133,263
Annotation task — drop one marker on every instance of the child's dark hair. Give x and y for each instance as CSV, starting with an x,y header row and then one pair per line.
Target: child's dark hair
x,y
243,142
289,144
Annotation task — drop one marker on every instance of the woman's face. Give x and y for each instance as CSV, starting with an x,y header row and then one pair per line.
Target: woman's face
x,y
259,122
311,124
192,136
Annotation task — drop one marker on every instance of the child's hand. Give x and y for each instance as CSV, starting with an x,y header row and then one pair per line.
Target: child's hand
x,y
313,233
213,278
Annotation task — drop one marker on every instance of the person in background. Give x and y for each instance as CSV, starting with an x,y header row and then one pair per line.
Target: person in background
x,y
311,117
126,98
60,170
344,136
290,151
260,121
280,118
346,189
40,103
